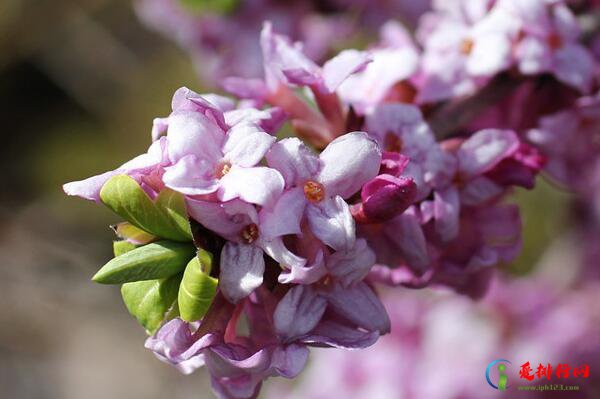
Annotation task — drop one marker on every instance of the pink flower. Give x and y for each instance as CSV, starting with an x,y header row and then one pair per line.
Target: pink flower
x,y
249,233
400,128
319,185
210,157
570,140
395,59
547,41
464,45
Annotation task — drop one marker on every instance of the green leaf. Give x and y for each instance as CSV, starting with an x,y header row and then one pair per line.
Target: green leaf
x,y
153,261
197,288
149,301
121,247
165,217
129,232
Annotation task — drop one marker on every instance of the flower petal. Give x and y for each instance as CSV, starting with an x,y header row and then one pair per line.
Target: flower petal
x,y
242,268
258,185
296,162
485,149
226,219
298,312
406,232
191,176
289,361
349,162
574,65
285,216
479,190
340,67
281,55
174,343
193,133
278,251
305,274
353,265
269,119
491,54
185,99
337,335
331,221
89,188
360,305
446,210
245,144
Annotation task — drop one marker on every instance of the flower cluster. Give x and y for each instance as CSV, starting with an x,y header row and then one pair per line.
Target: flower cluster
x,y
259,225
532,321
221,35
467,42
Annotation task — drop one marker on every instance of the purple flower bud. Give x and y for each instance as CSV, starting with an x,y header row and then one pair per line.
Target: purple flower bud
x,y
383,198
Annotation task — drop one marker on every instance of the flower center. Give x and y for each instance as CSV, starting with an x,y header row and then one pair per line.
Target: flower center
x,y
459,180
466,46
392,143
222,169
250,233
555,41
314,192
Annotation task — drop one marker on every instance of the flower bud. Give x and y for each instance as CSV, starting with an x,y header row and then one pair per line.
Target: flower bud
x,y
383,198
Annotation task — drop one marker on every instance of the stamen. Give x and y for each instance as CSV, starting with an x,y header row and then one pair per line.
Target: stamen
x,y
314,191
392,143
222,169
466,46
250,233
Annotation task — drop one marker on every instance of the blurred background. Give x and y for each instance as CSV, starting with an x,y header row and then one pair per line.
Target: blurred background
x,y
80,82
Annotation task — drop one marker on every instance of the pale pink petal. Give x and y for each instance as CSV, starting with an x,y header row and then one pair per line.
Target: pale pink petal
x,y
349,267
277,250
242,268
270,119
89,188
575,66
281,55
191,176
340,67
185,99
485,149
349,162
159,127
259,185
331,221
533,56
491,54
226,219
254,89
368,88
294,160
305,274
191,133
245,145
284,217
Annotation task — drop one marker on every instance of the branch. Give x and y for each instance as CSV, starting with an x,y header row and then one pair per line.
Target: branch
x,y
450,117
